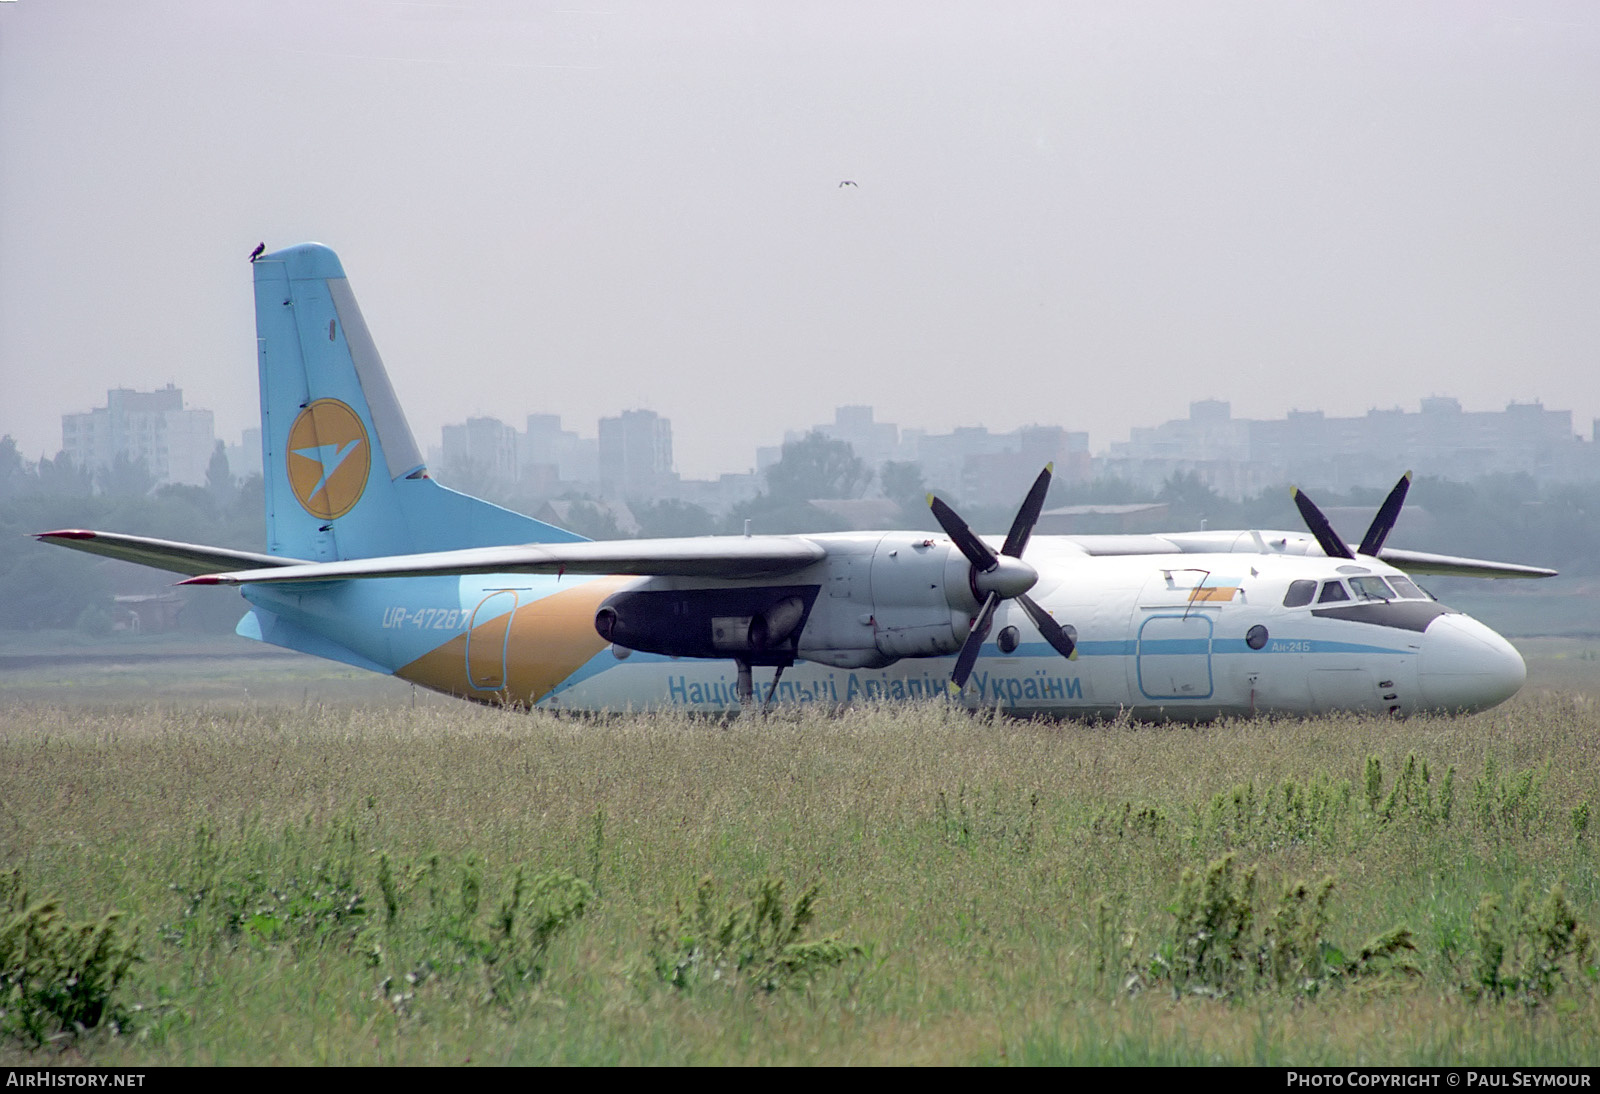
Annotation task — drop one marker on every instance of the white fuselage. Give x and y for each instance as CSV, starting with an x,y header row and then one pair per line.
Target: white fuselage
x,y
1180,635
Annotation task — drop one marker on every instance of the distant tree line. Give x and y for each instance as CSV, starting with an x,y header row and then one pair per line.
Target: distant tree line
x,y
46,587
1505,517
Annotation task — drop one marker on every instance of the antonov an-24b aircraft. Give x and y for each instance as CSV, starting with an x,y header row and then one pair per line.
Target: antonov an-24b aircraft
x,y
372,563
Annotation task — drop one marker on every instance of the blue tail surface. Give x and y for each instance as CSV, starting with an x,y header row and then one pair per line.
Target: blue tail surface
x,y
344,477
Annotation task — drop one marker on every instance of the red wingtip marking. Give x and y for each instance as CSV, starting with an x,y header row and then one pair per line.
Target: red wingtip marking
x,y
67,533
205,579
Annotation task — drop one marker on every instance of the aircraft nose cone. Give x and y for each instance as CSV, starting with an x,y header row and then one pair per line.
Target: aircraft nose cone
x,y
1465,666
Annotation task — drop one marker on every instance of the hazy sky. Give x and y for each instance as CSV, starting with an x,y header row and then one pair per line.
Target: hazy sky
x,y
1085,214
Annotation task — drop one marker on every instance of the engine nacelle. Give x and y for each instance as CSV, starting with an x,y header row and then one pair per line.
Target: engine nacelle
x,y
896,595
875,599
757,624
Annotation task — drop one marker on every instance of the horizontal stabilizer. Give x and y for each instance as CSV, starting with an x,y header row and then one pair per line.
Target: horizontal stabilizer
x,y
713,557
163,554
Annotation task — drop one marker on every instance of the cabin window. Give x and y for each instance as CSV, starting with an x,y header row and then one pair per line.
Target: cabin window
x,y
1407,588
1331,591
1299,594
1256,636
1371,588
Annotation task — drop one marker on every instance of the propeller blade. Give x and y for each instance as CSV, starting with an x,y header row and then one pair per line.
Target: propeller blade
x,y
1047,626
1383,523
1028,515
978,552
1332,545
1004,576
969,649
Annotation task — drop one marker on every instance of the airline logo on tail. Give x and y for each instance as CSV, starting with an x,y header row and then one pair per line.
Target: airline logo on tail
x,y
329,457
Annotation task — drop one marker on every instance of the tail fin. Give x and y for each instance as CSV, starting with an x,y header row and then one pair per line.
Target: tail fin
x,y
344,478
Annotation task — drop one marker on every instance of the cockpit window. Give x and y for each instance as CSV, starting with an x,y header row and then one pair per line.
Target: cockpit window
x,y
1299,594
1371,588
1331,591
1408,588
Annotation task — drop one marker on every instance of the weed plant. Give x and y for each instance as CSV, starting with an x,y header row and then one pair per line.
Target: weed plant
x,y
757,942
58,978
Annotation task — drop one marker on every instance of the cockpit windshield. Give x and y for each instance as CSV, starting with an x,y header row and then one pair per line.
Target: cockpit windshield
x,y
1371,588
1408,589
1394,587
1332,591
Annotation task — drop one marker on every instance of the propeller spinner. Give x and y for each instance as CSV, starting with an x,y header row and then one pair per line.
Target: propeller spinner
x,y
1001,577
1378,531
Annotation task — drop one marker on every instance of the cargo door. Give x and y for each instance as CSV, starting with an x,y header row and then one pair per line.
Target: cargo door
x,y
1174,656
488,635
1173,631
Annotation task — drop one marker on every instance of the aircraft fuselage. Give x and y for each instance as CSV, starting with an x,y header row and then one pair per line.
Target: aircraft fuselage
x,y
1185,637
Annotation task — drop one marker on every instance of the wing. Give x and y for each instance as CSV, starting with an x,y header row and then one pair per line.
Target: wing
x,y
711,557
1292,543
163,554
1420,562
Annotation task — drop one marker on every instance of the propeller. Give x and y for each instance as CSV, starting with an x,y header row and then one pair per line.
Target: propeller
x,y
1005,576
1377,532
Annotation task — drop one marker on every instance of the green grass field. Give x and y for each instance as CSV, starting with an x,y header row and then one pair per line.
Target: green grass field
x,y
312,872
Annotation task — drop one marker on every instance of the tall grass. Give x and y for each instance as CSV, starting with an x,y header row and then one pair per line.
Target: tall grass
x,y
316,885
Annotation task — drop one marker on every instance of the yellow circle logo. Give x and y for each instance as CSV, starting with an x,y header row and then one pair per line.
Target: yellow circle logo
x,y
329,457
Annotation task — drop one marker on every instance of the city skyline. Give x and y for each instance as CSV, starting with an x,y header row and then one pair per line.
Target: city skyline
x,y
1242,455
631,456
231,426
1099,444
